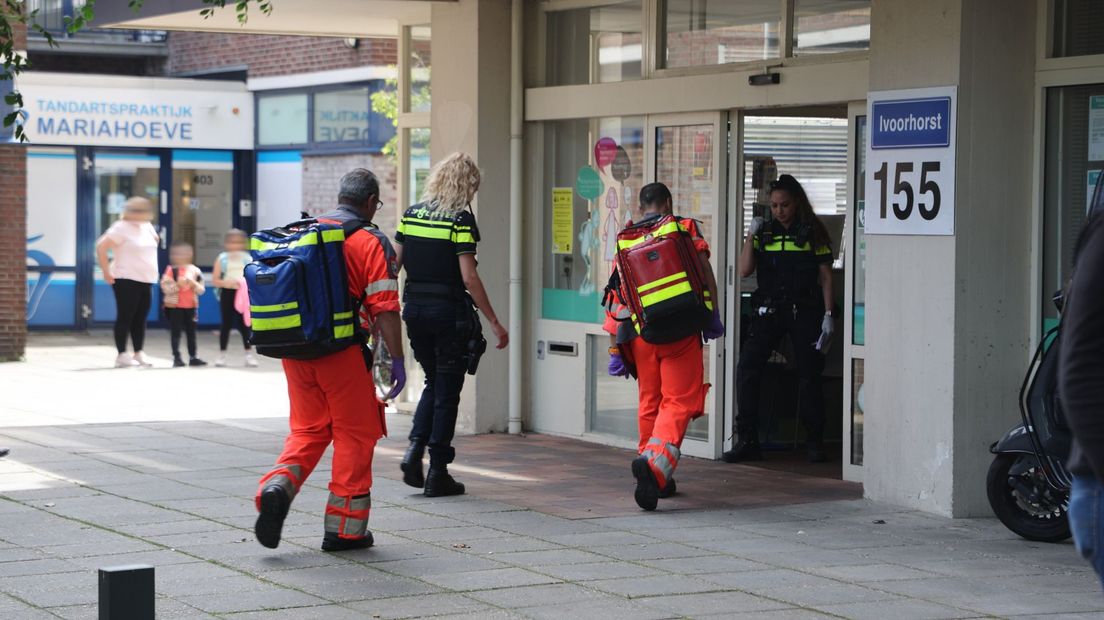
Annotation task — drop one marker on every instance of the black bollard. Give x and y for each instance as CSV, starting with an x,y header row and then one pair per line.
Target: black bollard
x,y
126,593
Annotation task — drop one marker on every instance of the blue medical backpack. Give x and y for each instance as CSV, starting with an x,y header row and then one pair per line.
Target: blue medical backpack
x,y
298,291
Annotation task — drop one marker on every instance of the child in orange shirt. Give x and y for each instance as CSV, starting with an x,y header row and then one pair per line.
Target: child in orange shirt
x,y
182,286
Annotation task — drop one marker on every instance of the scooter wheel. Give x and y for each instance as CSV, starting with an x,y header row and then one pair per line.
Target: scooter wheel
x,y
1043,517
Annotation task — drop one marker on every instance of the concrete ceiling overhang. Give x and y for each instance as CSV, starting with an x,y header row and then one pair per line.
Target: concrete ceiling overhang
x,y
334,18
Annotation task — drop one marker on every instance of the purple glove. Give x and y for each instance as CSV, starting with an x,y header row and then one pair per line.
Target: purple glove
x,y
398,376
716,329
617,367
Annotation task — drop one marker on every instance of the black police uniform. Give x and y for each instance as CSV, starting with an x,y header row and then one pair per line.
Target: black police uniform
x,y
789,300
439,319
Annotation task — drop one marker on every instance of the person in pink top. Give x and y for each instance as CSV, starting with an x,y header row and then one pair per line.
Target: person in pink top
x,y
181,288
132,270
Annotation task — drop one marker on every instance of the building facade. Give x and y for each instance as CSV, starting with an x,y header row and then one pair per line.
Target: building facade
x,y
942,283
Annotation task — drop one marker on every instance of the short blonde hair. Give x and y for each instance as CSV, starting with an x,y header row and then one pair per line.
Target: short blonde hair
x,y
136,204
452,184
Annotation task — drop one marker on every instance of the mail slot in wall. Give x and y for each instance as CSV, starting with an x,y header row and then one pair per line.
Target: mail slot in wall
x,y
563,348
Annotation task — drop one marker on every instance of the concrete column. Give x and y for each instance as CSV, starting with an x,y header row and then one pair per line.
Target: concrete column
x,y
471,113
947,317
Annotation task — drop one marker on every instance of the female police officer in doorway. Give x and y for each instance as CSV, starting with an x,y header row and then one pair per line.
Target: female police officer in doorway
x,y
793,257
437,239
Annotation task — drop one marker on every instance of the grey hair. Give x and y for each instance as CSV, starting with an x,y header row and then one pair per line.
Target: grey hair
x,y
356,186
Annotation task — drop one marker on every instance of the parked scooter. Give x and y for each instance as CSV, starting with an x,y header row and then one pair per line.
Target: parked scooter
x,y
1028,483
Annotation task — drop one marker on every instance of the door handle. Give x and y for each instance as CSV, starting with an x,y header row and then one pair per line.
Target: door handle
x,y
163,233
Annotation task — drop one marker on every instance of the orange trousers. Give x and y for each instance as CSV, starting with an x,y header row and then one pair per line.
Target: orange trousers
x,y
672,393
333,399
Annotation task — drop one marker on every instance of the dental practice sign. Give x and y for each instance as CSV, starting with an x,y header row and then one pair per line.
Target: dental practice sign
x,y
910,162
139,112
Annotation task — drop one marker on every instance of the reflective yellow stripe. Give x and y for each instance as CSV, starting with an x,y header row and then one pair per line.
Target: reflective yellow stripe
x,y
343,331
414,230
463,238
343,315
329,236
822,250
708,305
291,305
666,229
280,322
438,223
257,244
665,294
660,282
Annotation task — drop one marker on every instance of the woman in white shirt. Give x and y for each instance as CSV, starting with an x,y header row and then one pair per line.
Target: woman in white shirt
x,y
132,271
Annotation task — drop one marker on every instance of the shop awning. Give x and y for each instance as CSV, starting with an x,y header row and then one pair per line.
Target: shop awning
x,y
336,18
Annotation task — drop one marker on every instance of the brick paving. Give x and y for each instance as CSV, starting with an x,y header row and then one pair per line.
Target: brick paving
x,y
169,485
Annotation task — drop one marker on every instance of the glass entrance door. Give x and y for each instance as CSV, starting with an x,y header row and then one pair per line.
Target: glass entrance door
x,y
687,153
115,177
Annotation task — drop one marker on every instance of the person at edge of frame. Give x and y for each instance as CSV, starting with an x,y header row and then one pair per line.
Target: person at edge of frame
x,y
791,255
333,398
670,377
1081,365
436,246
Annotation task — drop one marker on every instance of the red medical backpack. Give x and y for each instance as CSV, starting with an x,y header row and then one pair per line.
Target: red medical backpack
x,y
658,278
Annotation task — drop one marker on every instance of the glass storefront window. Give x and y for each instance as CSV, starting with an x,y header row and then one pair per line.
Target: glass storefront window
x,y
1076,28
341,116
812,149
858,295
684,162
1074,164
202,207
419,95
696,33
592,180
613,401
419,162
828,26
282,119
595,44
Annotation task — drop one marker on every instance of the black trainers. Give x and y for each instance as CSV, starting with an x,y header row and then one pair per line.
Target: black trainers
x,y
332,542
411,466
195,361
743,451
274,508
440,484
647,488
816,452
669,490
178,363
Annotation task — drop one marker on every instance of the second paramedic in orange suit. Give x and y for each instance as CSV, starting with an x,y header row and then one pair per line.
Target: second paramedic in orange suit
x,y
670,376
333,398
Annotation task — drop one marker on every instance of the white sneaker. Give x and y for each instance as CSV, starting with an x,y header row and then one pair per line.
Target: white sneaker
x,y
125,361
250,359
141,359
220,361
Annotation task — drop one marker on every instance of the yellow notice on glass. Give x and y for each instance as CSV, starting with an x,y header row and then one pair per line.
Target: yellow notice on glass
x,y
563,220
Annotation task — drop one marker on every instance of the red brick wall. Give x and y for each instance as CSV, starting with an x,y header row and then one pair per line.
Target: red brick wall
x,y
13,243
322,175
268,55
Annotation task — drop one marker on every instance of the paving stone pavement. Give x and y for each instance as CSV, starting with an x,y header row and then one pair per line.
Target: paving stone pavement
x,y
99,483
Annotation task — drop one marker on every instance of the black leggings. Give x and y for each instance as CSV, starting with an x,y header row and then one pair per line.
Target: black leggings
x,y
132,304
182,320
231,319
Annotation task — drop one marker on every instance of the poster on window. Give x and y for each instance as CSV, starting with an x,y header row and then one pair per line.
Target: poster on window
x,y
563,220
1096,128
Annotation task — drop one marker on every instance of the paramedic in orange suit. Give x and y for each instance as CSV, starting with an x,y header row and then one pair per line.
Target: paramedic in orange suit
x,y
333,398
670,376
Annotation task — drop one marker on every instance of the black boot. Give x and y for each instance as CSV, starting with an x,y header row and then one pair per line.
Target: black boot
x,y
332,542
744,450
274,508
816,452
440,484
411,466
669,490
647,488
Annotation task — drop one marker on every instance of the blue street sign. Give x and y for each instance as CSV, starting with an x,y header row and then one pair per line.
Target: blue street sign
x,y
911,123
